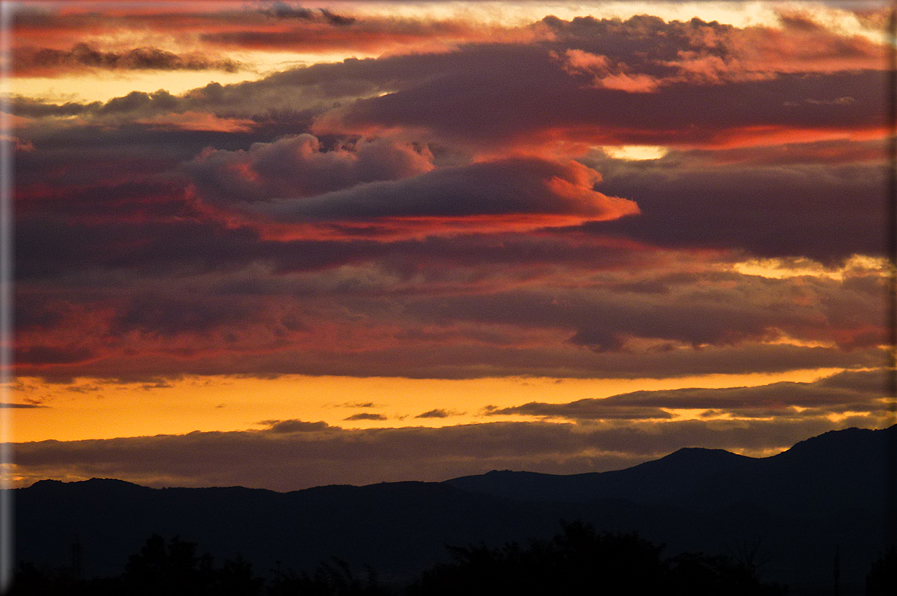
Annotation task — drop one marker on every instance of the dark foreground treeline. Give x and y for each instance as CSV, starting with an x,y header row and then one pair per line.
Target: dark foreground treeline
x,y
578,560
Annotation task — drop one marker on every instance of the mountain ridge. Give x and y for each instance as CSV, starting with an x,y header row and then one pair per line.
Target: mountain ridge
x,y
826,494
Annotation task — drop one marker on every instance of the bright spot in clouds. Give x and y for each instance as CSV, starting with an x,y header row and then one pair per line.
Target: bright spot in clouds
x,y
635,152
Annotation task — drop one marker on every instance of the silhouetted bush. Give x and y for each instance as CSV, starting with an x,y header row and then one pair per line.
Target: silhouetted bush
x,y
691,574
580,560
329,579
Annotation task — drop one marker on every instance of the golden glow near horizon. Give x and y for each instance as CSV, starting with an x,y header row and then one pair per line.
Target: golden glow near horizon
x,y
635,152
94,409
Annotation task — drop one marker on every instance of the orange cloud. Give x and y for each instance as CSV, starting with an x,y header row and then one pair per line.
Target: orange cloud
x,y
608,74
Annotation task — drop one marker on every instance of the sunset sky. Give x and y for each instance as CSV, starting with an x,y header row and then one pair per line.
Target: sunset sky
x,y
281,245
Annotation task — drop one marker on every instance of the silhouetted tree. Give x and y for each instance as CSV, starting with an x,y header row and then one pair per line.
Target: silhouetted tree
x,y
749,559
882,578
580,560
236,578
170,569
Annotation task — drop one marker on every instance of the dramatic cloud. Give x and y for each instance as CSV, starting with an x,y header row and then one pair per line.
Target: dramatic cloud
x,y
516,194
636,72
52,42
710,53
443,194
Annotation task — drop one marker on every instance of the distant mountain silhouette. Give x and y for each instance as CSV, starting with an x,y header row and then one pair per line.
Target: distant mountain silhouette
x,y
795,508
839,470
670,478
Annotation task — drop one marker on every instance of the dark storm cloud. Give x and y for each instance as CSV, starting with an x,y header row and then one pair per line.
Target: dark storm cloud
x,y
83,56
290,461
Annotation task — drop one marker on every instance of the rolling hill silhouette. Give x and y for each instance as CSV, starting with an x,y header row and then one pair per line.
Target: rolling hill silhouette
x,y
795,508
